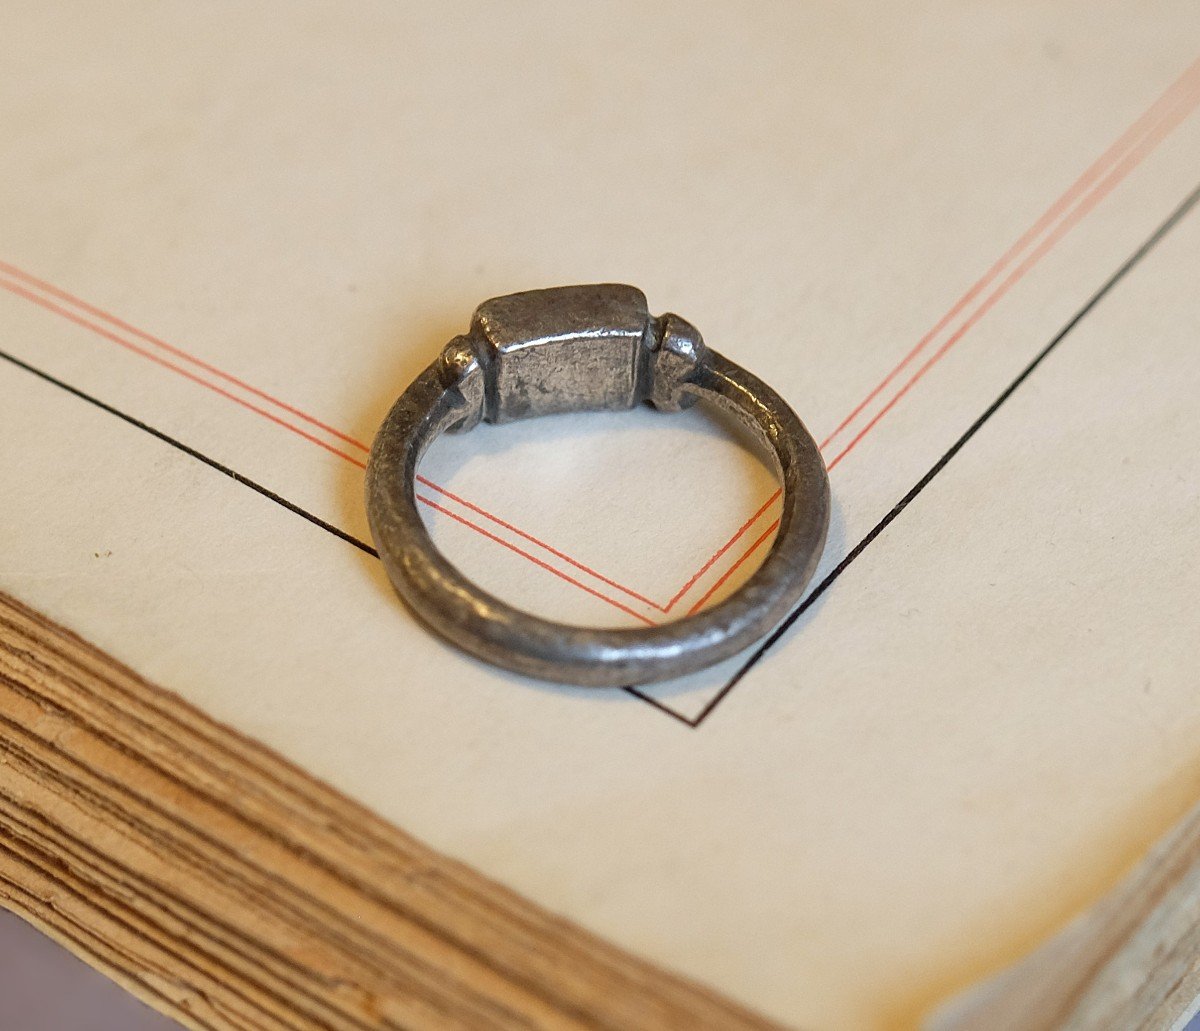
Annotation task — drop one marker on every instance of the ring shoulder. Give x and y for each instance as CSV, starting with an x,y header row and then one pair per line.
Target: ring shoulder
x,y
676,358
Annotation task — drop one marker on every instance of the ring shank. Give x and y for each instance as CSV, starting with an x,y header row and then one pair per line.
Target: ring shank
x,y
491,629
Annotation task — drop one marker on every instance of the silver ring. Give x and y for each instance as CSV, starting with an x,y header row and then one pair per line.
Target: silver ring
x,y
571,349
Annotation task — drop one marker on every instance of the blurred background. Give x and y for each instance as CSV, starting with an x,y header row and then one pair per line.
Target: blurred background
x,y
44,988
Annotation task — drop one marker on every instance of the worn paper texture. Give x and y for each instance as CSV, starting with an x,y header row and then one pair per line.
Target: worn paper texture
x,y
229,238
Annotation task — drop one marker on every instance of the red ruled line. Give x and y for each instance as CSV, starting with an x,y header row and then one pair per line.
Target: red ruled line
x,y
178,352
158,360
536,561
144,352
1175,104
109,334
719,553
720,581
1181,86
79,320
1147,143
541,544
1172,107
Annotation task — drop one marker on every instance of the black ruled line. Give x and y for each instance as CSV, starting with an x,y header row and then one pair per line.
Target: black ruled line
x,y
245,481
1172,220
179,445
692,722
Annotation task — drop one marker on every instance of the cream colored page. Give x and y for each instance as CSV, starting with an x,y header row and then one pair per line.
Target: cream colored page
x,y
230,240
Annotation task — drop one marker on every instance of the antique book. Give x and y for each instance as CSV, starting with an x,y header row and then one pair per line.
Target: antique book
x,y
952,788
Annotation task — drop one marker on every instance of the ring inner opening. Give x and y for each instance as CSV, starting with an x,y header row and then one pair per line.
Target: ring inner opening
x,y
604,519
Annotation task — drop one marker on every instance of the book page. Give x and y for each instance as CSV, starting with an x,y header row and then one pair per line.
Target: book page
x,y
959,240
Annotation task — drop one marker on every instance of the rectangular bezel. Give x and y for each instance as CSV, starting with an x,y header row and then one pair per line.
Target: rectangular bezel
x,y
573,348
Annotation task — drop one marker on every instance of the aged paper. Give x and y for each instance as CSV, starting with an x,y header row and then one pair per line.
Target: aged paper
x,y
230,240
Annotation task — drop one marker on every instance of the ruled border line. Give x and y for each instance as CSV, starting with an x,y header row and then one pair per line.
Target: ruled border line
x,y
1127,266
1172,220
1172,106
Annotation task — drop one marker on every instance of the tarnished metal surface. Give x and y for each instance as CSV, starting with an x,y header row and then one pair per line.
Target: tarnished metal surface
x,y
586,348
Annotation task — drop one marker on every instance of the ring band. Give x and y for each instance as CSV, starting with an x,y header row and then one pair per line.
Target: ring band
x,y
586,348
